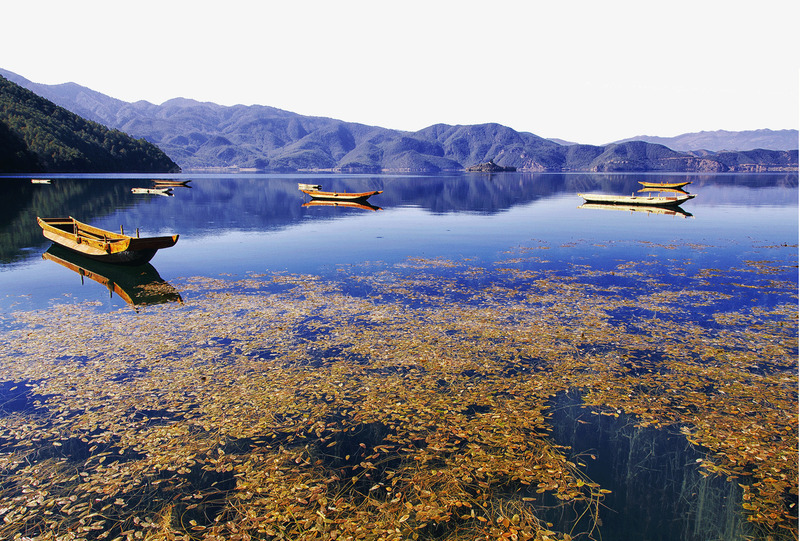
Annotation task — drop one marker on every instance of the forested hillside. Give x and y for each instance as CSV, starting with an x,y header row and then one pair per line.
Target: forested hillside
x,y
38,136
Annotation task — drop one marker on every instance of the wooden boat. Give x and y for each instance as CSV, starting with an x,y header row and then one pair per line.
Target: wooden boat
x,y
153,191
172,183
137,286
661,185
662,190
655,201
301,186
340,196
101,244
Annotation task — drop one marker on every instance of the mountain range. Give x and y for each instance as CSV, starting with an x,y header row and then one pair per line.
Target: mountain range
x,y
719,140
199,135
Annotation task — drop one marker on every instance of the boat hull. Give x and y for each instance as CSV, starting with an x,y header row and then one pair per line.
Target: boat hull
x,y
672,185
303,186
172,183
655,201
340,196
166,191
103,245
126,257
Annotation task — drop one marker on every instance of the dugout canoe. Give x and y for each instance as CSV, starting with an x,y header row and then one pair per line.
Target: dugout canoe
x,y
340,196
660,185
103,245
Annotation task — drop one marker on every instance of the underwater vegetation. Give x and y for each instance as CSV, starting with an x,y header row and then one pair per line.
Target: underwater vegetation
x,y
413,401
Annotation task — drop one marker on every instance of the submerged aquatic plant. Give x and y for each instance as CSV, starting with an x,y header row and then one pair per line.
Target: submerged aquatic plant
x,y
286,407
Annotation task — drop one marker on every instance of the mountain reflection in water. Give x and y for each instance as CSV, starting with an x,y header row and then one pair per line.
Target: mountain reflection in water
x,y
656,489
272,202
236,224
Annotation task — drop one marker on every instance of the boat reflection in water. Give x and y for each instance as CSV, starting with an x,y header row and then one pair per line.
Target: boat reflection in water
x,y
363,205
664,211
138,286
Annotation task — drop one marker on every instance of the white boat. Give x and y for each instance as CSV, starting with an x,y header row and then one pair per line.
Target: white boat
x,y
40,180
153,191
654,201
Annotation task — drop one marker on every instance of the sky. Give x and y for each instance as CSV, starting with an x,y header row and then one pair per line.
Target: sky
x,y
585,71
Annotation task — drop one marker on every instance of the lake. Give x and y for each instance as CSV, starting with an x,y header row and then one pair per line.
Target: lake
x,y
468,355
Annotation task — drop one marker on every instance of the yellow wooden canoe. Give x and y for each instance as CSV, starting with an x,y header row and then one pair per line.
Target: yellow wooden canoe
x,y
101,244
657,185
172,183
340,196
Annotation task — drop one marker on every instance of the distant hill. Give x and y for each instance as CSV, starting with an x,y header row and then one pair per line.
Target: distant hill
x,y
38,136
562,141
201,135
721,140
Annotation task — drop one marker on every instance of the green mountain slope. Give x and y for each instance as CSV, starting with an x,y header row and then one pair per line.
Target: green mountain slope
x,y
39,136
14,154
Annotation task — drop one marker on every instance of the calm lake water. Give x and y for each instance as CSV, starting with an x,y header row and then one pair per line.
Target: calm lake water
x,y
238,224
235,229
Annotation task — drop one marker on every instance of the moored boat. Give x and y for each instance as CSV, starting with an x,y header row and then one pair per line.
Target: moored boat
x,y
302,186
40,181
172,183
166,191
101,244
656,201
664,185
663,190
341,196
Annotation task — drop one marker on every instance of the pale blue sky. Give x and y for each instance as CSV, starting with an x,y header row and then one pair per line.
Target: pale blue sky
x,y
580,70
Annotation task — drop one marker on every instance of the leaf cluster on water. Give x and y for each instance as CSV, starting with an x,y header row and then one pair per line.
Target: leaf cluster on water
x,y
282,407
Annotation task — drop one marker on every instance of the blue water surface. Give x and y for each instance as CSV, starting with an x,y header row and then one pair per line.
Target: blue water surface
x,y
233,225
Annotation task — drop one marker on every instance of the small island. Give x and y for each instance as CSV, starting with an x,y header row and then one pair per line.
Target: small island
x,y
490,167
